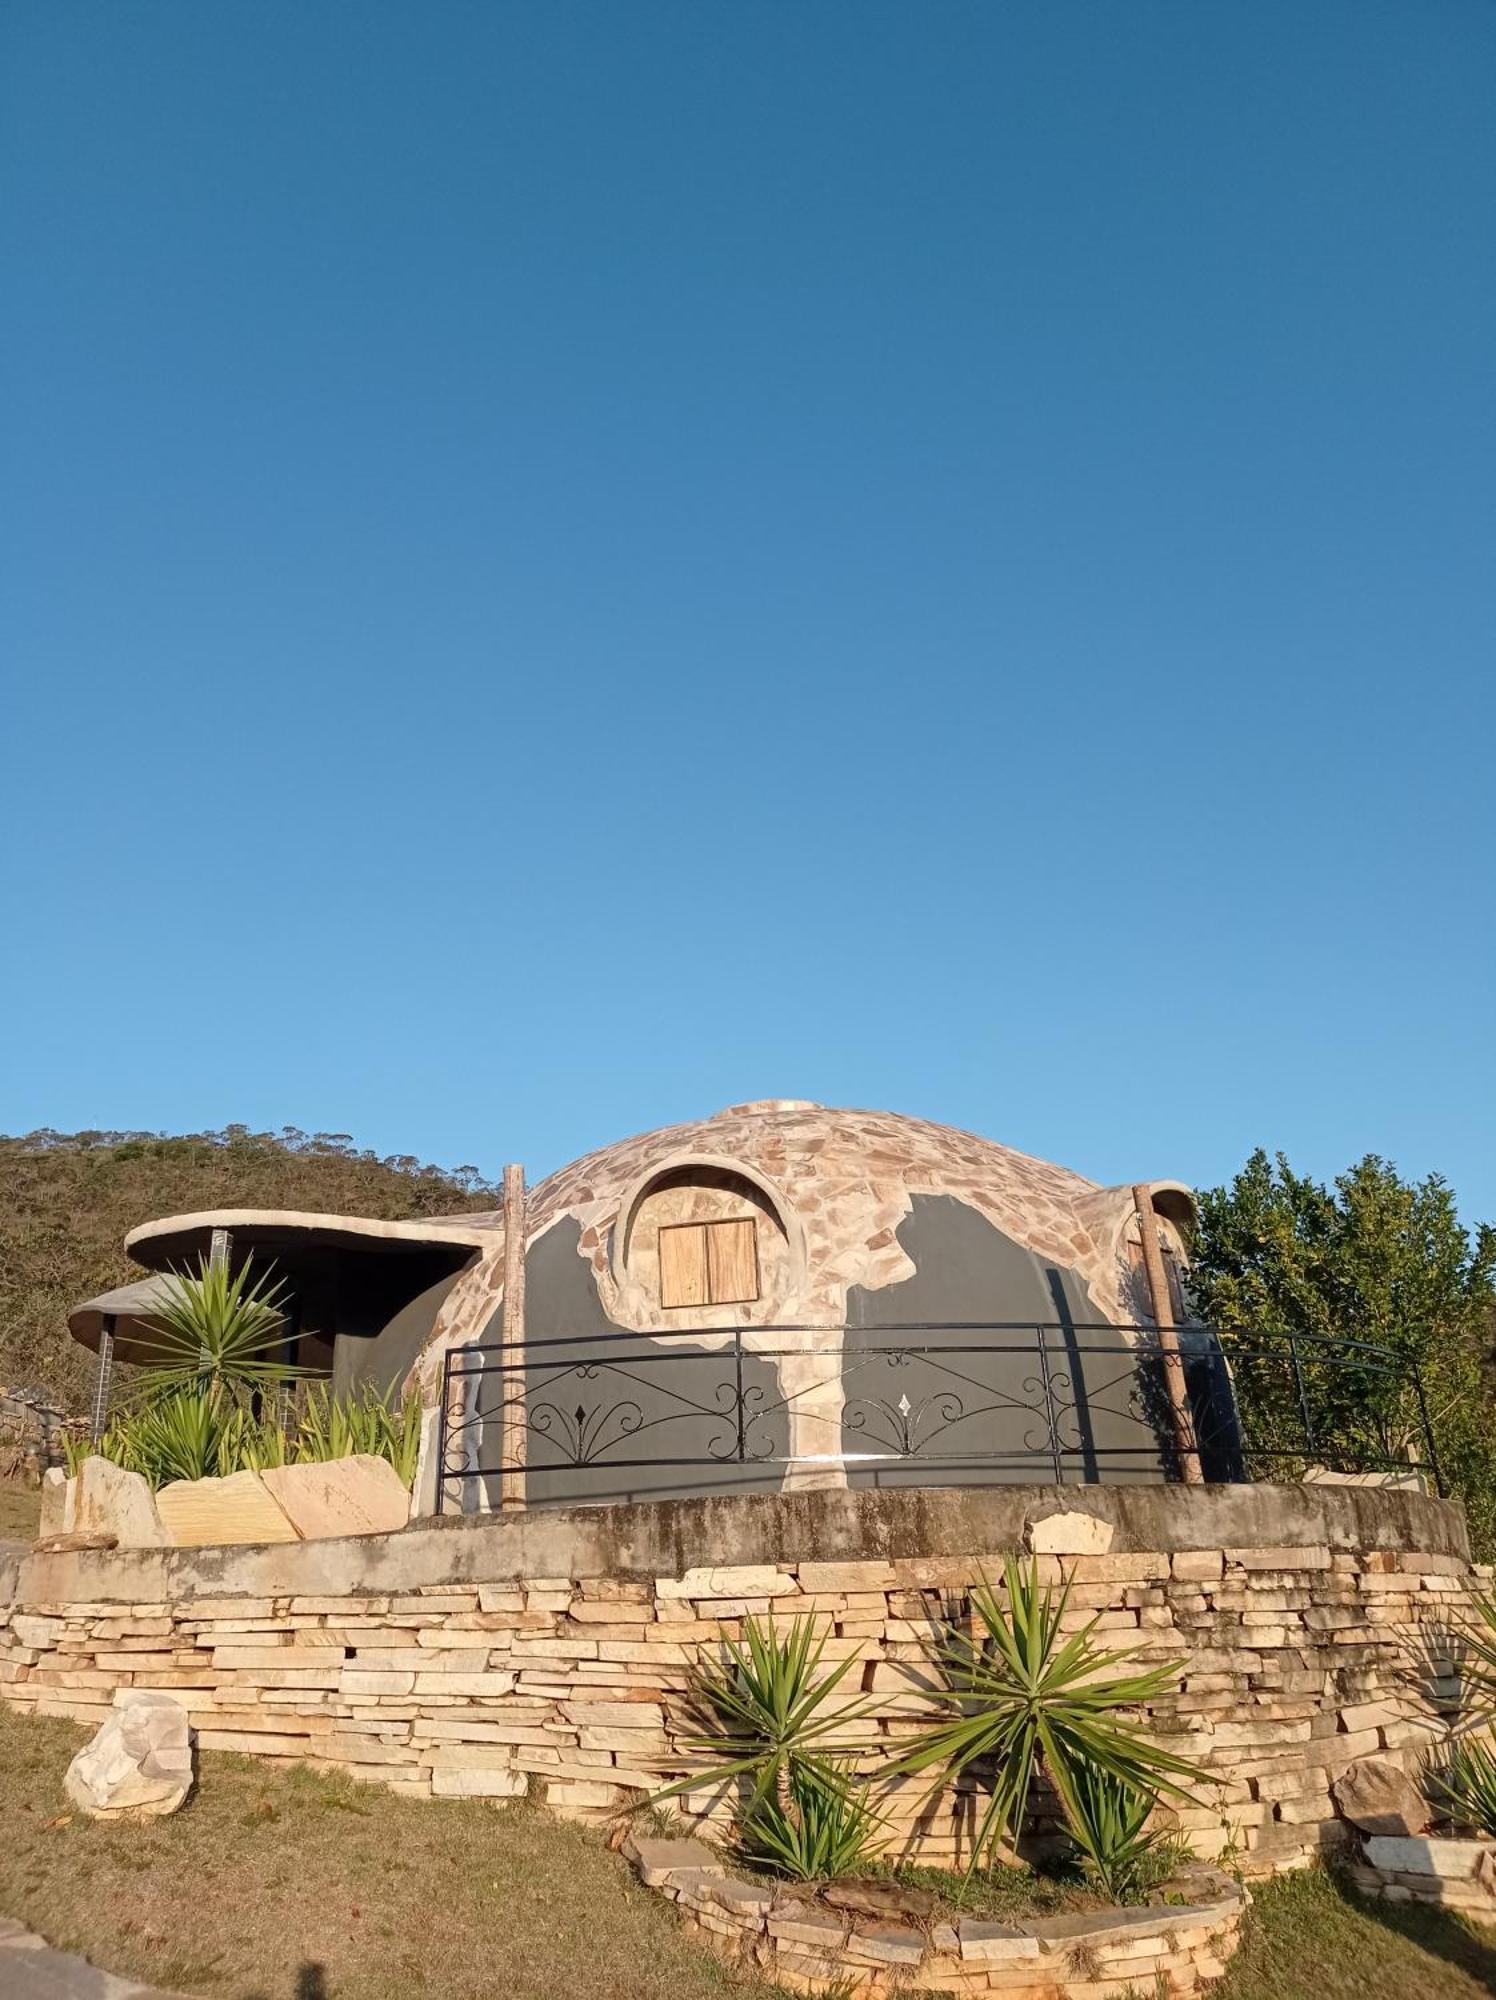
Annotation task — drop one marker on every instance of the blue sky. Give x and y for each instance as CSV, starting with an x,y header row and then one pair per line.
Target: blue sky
x,y
569,565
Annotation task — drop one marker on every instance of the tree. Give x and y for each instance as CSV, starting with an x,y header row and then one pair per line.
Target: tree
x,y
1378,1260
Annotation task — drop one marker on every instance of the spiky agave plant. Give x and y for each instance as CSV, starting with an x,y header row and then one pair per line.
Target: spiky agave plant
x,y
1108,1821
1017,1692
761,1710
369,1420
1465,1785
217,1331
832,1829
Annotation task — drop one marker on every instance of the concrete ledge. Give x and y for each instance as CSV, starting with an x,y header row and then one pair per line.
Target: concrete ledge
x,y
669,1537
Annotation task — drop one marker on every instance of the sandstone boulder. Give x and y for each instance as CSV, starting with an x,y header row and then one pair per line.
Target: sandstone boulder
x,y
110,1501
362,1495
201,1512
139,1765
59,1502
1378,1797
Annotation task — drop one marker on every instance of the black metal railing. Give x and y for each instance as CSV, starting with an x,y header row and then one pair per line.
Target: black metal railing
x,y
615,1414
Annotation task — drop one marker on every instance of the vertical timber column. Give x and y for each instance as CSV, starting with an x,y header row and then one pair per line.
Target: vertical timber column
x,y
512,1344
1168,1339
101,1383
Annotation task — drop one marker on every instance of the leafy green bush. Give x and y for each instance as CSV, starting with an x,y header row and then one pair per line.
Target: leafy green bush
x,y
330,1426
829,1830
1019,1693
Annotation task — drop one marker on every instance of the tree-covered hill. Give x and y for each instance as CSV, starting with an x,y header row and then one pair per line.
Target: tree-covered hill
x,y
67,1199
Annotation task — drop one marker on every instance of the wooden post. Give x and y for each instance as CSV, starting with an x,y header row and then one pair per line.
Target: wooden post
x,y
1168,1339
512,1344
101,1382
219,1246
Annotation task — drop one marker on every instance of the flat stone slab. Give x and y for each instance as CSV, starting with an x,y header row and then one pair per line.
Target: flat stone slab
x,y
31,1970
658,1860
361,1495
1449,1859
201,1513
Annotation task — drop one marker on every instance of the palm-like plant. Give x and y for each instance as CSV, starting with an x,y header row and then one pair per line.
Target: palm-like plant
x,y
217,1330
1477,1657
762,1710
368,1420
1466,1785
832,1828
1108,1821
1021,1692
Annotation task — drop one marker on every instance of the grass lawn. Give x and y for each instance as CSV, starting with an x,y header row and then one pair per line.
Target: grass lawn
x,y
292,1885
295,1886
1309,1939
20,1511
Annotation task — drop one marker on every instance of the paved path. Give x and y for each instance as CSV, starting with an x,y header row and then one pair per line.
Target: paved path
x,y
31,1970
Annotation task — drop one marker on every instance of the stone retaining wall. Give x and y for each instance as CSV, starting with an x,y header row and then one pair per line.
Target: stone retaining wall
x,y
550,1652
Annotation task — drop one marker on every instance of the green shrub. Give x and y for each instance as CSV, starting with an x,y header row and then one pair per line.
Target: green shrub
x,y
1465,1786
829,1830
1108,1821
1018,1694
181,1435
761,1714
218,1331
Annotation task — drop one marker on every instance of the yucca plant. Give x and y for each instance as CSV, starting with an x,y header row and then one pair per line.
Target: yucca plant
x,y
368,1420
217,1330
1017,1692
830,1832
1477,1657
761,1711
1466,1785
177,1436
1108,1820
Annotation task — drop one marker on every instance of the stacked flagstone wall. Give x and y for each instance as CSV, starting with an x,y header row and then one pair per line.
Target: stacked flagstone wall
x,y
549,1653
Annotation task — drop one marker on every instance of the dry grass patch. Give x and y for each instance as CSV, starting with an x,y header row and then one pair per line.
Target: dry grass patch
x,y
20,1511
294,1885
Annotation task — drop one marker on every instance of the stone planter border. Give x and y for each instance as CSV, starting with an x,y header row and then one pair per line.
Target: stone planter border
x,y
1423,1868
1175,1948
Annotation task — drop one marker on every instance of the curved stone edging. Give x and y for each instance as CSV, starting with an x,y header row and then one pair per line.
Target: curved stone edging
x,y
810,1948
1449,1874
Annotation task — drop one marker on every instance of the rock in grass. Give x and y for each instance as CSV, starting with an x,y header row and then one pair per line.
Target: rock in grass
x,y
139,1765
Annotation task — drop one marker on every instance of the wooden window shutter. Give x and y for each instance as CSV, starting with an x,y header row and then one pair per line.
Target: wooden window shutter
x,y
683,1265
732,1261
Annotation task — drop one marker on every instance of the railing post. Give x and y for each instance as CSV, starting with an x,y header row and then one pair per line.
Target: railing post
x,y
737,1357
1185,1443
512,1360
1310,1447
1055,1458
1428,1433
442,1433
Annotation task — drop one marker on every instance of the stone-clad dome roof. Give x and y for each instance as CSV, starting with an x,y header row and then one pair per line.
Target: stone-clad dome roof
x,y
845,1180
